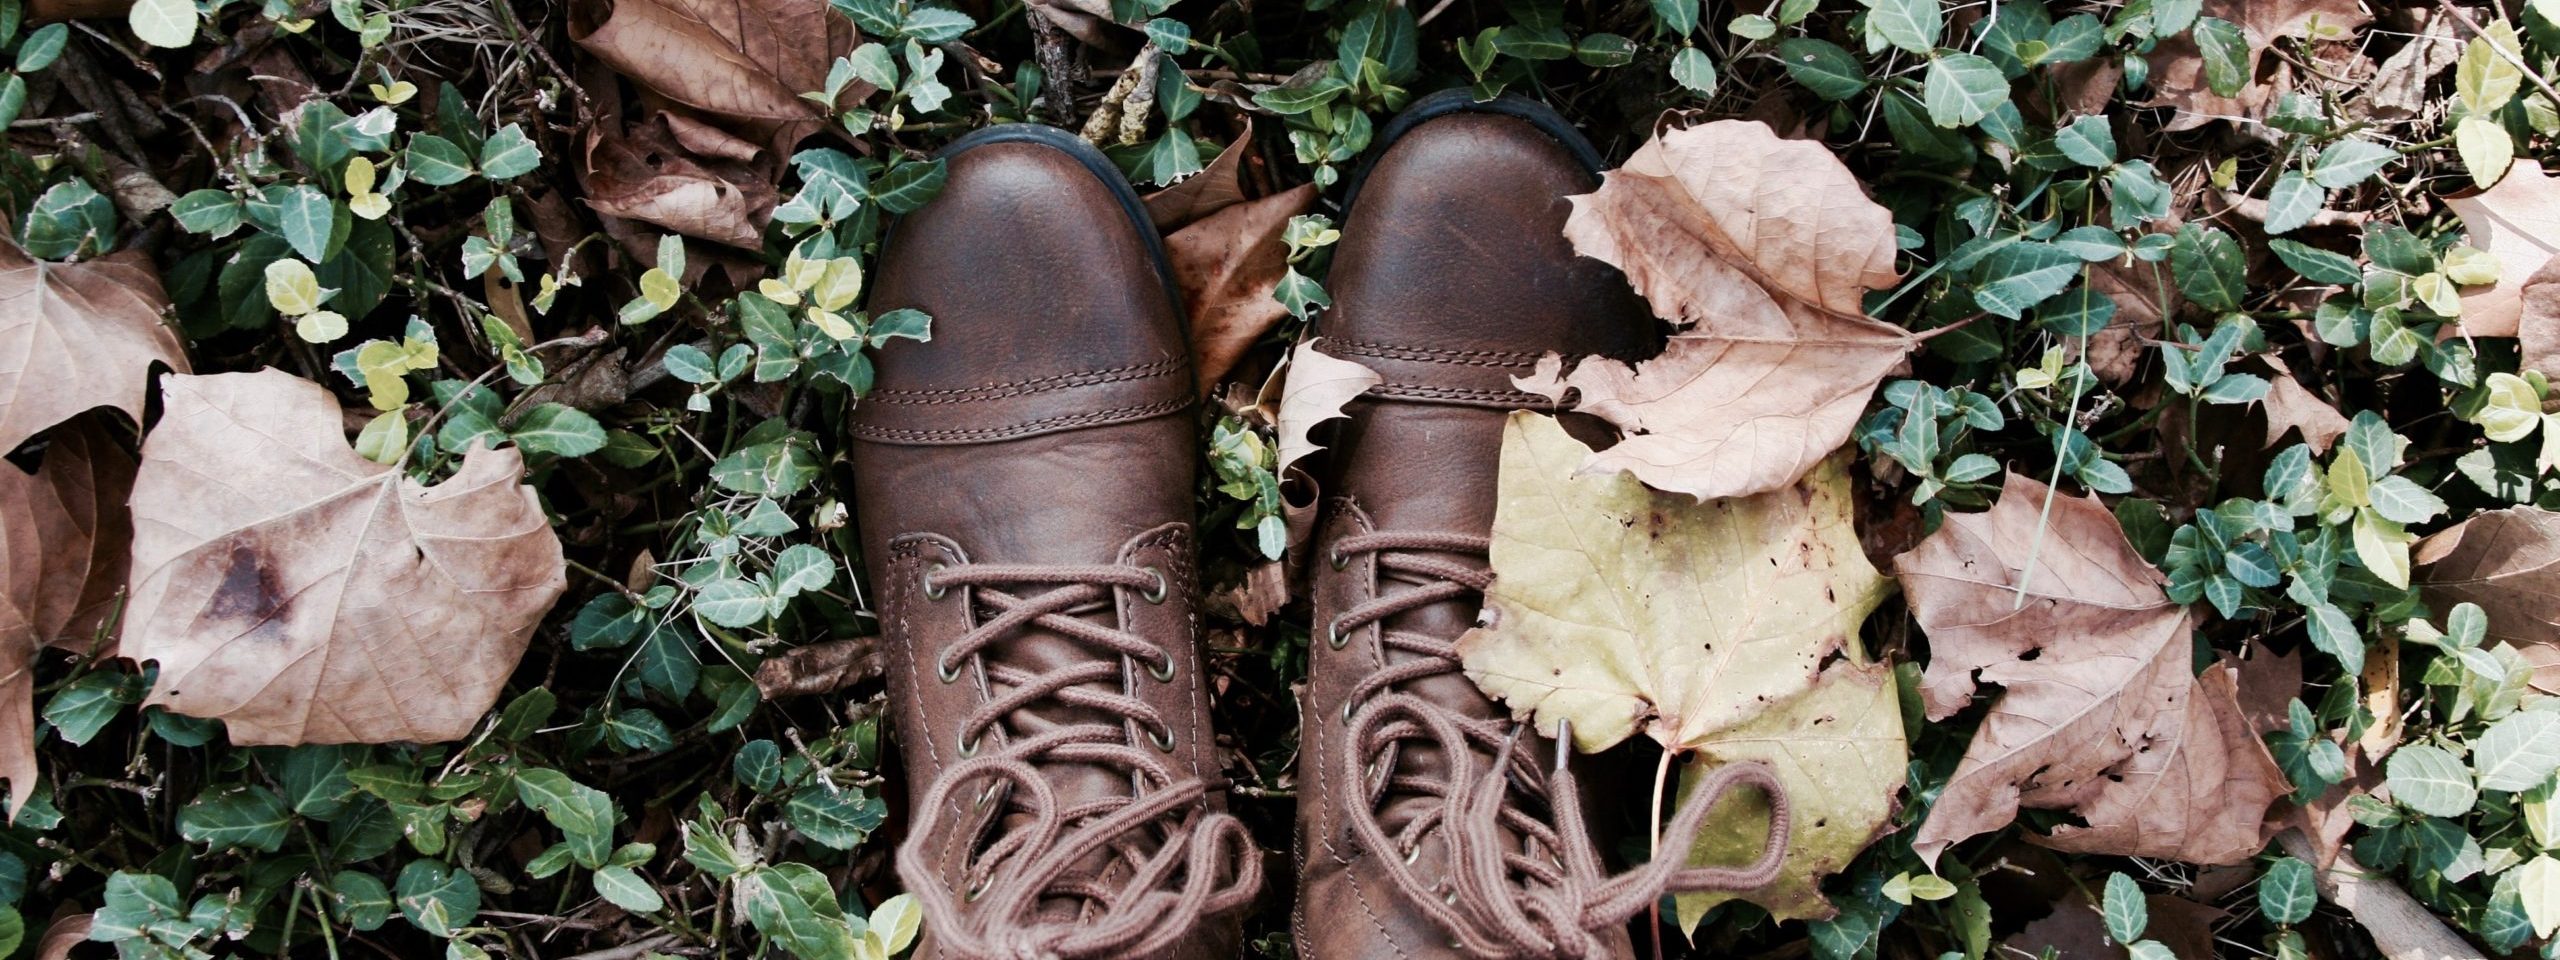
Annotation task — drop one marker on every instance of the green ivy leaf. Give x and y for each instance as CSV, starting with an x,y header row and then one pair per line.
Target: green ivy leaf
x,y
2431,781
436,161
1822,67
558,430
2225,50
1961,88
436,898
508,154
1912,25
237,817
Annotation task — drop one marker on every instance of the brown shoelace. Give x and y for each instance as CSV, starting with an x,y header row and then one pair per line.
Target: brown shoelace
x,y
1515,886
1177,861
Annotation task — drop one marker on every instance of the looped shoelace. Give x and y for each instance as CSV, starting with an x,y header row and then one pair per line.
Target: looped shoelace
x,y
1182,862
1516,886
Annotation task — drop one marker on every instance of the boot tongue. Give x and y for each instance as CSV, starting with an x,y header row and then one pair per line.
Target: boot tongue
x,y
1427,468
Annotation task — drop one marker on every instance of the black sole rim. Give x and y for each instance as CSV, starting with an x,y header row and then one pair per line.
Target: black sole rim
x,y
1458,100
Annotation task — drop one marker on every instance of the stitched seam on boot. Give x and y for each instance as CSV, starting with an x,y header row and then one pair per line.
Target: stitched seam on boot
x,y
872,432
1021,388
1474,358
1422,391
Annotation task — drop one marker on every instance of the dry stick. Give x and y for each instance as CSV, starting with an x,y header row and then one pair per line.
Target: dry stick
x,y
1055,51
2503,53
2402,928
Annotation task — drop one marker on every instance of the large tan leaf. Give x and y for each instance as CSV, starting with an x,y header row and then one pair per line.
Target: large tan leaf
x,y
304,594
1622,608
2518,222
2508,562
1839,749
63,534
741,63
2097,705
1759,249
1227,264
75,336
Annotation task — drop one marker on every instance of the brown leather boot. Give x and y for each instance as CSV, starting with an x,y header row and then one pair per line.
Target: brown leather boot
x,y
1024,483
1426,823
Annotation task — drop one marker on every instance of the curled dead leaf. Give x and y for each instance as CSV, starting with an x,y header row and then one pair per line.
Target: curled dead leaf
x,y
2099,713
642,173
1315,387
819,668
1760,250
75,336
304,594
2508,562
1227,265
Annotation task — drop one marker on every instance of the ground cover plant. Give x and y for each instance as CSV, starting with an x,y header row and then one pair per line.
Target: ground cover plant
x,y
425,526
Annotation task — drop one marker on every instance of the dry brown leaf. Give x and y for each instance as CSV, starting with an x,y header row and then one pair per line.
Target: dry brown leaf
x,y
644,174
2199,793
2518,222
63,535
2290,406
2098,712
2177,68
304,594
1318,385
740,63
2538,319
75,336
2399,87
1315,386
819,668
1760,250
1219,186
1227,264
2143,294
2508,562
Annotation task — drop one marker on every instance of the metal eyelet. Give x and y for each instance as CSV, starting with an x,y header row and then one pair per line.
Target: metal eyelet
x,y
977,890
1333,635
1412,854
1346,712
1161,590
1165,675
1339,559
932,592
968,745
947,674
1164,743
